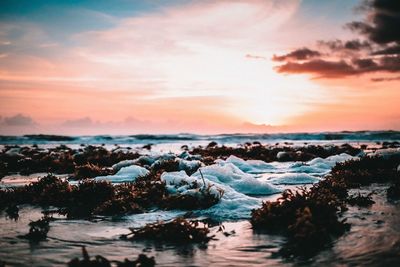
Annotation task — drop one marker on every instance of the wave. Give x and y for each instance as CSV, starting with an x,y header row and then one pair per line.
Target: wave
x,y
221,138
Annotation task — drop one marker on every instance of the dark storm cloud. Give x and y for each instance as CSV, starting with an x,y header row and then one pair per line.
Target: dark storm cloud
x,y
391,50
319,67
384,25
356,45
299,54
390,63
335,69
380,52
339,45
366,63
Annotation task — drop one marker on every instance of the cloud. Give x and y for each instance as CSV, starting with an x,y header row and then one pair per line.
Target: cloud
x,y
384,20
81,122
365,63
321,68
18,120
299,54
386,79
350,45
391,50
336,69
379,52
250,56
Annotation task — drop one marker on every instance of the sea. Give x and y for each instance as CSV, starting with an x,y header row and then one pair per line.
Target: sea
x,y
373,240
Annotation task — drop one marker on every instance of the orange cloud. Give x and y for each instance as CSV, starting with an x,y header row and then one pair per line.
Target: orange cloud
x,y
181,68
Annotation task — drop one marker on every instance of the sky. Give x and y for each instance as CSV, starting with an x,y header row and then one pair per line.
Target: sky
x,y
152,66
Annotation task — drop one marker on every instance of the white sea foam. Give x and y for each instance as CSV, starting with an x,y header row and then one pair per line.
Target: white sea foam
x,y
122,164
233,204
189,165
125,174
293,178
230,175
317,166
248,166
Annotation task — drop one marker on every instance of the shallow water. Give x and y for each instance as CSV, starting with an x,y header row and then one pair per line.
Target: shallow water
x,y
374,239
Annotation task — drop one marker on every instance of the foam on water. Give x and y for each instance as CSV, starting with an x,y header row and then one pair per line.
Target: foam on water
x,y
239,179
293,178
329,162
248,166
125,174
230,175
233,204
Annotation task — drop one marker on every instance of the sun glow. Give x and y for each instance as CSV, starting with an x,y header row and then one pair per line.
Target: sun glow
x,y
205,66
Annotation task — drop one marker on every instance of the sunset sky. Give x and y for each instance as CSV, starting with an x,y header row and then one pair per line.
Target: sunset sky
x,y
152,66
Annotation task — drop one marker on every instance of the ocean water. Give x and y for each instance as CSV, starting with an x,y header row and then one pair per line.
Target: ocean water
x,y
185,138
245,183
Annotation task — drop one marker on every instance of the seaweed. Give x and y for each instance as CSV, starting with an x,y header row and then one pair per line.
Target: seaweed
x,y
38,229
100,261
118,206
141,261
178,230
86,197
360,200
202,199
367,170
309,219
394,144
47,191
90,197
165,166
148,191
148,146
60,160
393,192
12,212
90,170
269,153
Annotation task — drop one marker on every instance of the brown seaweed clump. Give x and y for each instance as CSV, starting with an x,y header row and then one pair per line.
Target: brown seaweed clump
x,y
100,261
90,170
47,191
269,153
202,198
38,229
393,192
90,198
360,200
178,230
85,197
166,166
367,170
12,212
309,218
60,160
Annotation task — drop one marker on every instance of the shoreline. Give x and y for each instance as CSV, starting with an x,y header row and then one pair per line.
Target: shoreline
x,y
380,216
